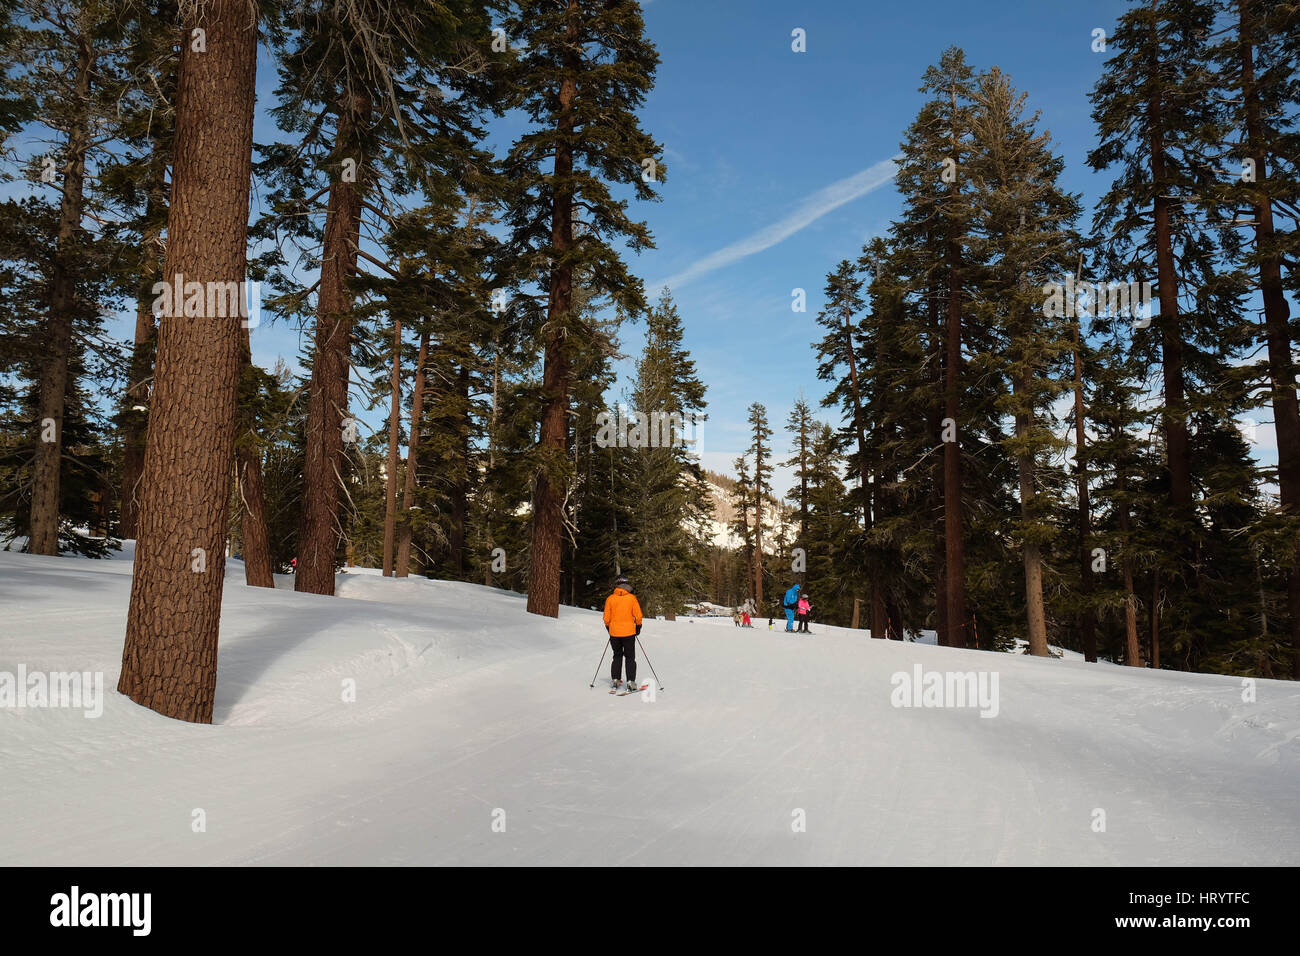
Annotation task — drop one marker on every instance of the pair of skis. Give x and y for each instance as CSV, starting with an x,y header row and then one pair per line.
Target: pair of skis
x,y
623,689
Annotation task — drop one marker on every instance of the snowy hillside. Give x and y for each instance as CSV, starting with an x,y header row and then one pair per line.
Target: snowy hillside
x,y
470,712
722,533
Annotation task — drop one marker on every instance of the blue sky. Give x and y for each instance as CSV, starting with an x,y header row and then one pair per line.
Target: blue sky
x,y
758,135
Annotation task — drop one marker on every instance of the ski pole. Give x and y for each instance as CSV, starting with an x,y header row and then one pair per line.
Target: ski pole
x,y
647,660
602,661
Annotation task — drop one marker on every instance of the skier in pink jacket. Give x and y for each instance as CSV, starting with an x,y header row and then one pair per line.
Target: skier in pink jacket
x,y
801,612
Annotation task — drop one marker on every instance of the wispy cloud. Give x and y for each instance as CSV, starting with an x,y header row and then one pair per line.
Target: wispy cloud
x,y
809,211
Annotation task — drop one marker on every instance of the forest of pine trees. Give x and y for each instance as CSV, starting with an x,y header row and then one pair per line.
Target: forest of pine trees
x,y
1021,451
1002,451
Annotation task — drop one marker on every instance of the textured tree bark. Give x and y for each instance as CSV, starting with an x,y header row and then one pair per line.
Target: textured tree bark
x,y
252,496
412,448
327,405
548,521
46,486
169,660
390,483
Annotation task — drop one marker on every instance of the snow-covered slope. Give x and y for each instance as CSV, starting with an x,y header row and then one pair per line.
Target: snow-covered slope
x,y
474,738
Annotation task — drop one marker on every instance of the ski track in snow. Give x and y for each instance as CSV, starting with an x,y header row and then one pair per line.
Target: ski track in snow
x,y
466,706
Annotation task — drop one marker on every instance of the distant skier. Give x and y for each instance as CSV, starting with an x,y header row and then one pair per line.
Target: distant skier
x,y
801,611
623,624
745,620
790,602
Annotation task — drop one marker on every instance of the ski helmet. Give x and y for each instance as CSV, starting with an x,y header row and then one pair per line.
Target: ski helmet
x,y
622,582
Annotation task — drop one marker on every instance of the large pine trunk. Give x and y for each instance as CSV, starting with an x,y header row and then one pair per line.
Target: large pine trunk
x,y
1277,314
327,403
412,448
47,465
544,558
169,660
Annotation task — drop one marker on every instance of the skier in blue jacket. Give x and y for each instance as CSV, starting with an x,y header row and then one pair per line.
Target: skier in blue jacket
x,y
790,602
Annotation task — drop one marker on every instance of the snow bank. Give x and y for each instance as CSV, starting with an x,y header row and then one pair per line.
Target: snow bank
x,y
469,715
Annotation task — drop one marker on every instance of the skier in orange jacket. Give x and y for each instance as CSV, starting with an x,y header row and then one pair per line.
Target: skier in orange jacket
x,y
623,622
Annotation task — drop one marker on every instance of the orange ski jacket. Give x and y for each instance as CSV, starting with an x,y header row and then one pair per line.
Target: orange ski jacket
x,y
622,613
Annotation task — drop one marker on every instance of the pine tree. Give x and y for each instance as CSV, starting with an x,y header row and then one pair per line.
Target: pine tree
x,y
673,503
366,87
930,236
899,402
761,451
831,522
1259,64
583,71
28,230
1117,458
66,79
800,426
135,184
1155,223
741,500
1022,238
840,349
169,659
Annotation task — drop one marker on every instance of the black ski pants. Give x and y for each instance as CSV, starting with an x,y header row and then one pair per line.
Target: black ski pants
x,y
624,647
